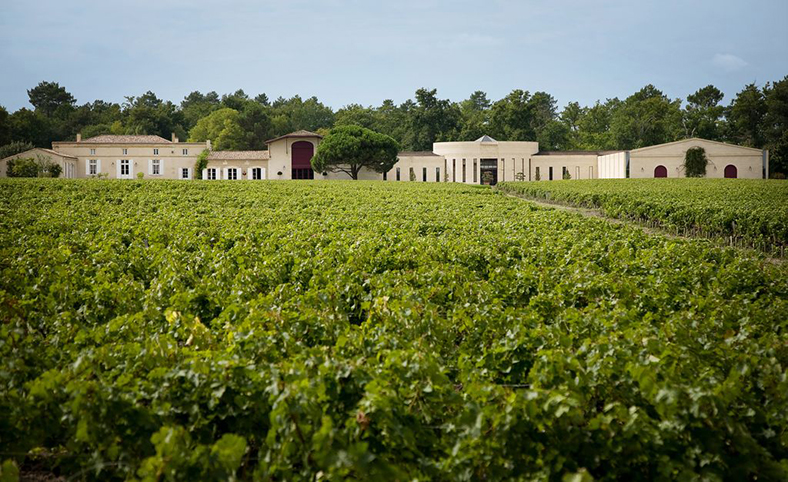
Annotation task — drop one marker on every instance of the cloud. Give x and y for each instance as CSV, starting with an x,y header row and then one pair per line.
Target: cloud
x,y
728,62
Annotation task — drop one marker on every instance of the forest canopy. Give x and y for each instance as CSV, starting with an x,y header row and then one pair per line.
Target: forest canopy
x,y
755,117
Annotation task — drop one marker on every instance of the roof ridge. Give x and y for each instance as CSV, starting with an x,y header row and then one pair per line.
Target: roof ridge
x,y
298,133
688,139
109,138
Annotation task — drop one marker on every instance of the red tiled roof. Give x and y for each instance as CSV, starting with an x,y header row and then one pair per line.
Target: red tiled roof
x,y
61,154
238,155
111,139
19,155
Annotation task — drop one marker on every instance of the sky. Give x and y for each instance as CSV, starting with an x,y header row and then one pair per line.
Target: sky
x,y
364,52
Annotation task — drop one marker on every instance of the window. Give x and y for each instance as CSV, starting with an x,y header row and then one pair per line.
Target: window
x,y
155,167
398,177
92,167
155,152
437,174
184,173
503,169
564,172
454,170
125,168
538,176
232,173
257,173
550,173
463,170
92,152
186,152
577,172
475,177
125,151
411,174
385,176
424,174
211,173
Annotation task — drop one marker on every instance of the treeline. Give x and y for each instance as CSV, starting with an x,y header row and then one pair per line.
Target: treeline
x,y
756,117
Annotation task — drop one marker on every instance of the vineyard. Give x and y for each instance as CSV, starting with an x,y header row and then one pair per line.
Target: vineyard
x,y
749,213
381,331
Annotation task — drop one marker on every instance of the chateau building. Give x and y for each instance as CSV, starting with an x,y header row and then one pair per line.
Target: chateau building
x,y
483,161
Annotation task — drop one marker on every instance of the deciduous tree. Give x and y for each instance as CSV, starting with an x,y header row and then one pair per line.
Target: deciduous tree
x,y
222,128
431,119
646,118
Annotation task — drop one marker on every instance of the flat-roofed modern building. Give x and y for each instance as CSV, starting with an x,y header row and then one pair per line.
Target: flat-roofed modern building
x,y
483,161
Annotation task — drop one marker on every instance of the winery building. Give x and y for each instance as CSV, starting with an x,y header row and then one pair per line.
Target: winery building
x,y
483,161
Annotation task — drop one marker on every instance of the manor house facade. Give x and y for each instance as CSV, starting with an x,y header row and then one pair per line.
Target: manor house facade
x,y
483,161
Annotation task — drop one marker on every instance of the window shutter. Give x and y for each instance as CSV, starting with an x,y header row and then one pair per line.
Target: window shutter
x,y
205,174
161,167
226,170
262,173
189,173
218,173
98,166
150,166
87,167
117,168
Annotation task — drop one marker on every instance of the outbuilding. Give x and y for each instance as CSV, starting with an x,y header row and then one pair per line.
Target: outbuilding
x,y
725,160
67,163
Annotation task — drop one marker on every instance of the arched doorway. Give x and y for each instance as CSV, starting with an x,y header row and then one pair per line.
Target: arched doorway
x,y
731,172
660,171
302,152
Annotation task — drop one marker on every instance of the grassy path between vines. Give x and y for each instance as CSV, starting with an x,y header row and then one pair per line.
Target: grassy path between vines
x,y
598,213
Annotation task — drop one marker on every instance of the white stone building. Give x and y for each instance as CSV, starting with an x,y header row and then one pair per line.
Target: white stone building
x,y
483,161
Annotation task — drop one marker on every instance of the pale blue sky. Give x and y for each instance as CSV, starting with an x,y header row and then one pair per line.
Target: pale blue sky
x,y
367,51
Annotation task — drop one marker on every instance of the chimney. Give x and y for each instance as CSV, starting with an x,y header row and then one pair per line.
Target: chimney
x,y
79,137
208,144
174,138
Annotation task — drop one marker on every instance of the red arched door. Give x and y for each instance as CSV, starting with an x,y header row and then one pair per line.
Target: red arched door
x,y
302,152
731,172
660,171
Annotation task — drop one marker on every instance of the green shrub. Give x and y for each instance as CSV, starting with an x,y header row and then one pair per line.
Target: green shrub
x,y
23,167
39,166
